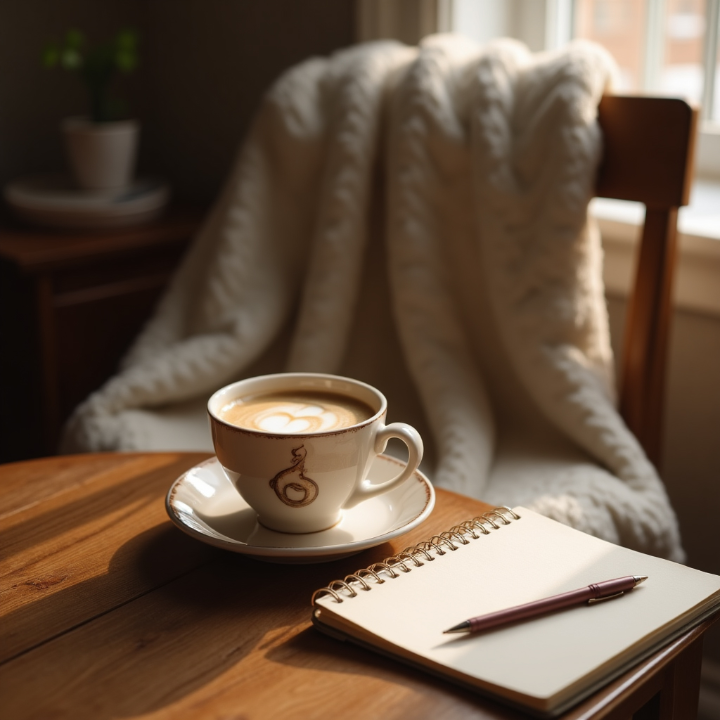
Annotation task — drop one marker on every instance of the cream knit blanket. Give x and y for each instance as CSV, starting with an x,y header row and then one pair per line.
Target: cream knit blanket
x,y
480,160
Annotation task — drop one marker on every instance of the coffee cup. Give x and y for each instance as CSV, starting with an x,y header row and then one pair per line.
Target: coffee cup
x,y
299,446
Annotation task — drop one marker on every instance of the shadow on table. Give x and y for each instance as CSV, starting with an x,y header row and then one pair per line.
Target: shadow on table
x,y
80,504
419,693
191,614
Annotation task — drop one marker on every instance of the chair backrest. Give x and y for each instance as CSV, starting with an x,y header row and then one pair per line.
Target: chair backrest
x,y
648,157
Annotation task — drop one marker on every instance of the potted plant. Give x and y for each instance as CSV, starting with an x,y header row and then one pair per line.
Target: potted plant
x,y
101,147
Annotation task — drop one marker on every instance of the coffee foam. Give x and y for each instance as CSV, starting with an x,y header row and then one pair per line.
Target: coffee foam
x,y
296,413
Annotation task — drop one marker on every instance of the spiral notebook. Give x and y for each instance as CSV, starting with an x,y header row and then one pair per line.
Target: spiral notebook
x,y
505,558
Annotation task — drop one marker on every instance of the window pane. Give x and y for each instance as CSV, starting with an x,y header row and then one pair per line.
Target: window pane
x,y
681,73
619,26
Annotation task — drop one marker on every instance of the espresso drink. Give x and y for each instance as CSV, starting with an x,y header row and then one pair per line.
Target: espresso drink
x,y
296,412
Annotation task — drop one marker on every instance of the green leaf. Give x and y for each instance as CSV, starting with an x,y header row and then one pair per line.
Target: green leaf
x,y
71,59
126,39
96,66
51,55
74,39
126,60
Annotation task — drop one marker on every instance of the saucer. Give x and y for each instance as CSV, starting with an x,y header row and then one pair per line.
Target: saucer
x,y
55,201
204,504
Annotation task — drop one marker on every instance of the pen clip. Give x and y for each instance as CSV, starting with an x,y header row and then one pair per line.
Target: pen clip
x,y
592,601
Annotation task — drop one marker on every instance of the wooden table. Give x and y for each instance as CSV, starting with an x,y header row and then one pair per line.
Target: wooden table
x,y
109,611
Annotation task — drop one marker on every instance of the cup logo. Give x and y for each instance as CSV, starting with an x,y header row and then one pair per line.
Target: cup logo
x,y
291,485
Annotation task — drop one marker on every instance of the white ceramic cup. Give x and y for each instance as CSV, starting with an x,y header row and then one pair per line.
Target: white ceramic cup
x,y
329,470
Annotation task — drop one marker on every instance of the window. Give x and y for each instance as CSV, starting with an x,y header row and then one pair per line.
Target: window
x,y
663,47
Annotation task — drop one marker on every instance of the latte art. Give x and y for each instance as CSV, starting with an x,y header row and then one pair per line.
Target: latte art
x,y
296,413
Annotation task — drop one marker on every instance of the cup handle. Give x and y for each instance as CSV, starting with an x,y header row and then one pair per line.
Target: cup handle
x,y
411,437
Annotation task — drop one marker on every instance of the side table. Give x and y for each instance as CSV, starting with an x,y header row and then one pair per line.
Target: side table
x,y
71,303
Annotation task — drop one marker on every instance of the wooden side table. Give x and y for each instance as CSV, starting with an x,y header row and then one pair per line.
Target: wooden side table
x,y
70,305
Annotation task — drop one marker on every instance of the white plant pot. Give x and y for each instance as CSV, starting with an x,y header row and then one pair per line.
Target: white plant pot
x,y
101,155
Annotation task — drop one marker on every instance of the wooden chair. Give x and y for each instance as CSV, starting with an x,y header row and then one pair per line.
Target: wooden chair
x,y
648,157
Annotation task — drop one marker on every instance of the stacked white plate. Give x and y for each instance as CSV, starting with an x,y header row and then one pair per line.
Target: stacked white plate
x,y
55,201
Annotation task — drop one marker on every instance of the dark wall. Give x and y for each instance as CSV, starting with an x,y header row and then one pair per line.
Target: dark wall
x,y
210,62
206,64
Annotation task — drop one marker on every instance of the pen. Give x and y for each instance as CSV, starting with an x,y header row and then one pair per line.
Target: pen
x,y
597,592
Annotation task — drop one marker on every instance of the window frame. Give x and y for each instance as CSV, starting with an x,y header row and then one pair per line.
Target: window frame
x,y
559,19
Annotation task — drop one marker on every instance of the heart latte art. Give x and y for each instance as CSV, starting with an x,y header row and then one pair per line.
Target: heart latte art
x,y
296,412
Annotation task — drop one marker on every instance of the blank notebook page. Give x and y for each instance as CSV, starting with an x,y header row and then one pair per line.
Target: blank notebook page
x,y
549,658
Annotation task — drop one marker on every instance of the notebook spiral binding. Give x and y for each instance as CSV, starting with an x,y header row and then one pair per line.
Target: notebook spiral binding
x,y
440,544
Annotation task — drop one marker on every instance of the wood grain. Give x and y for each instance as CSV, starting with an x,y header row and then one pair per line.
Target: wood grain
x,y
648,150
34,250
648,154
56,573
109,611
647,332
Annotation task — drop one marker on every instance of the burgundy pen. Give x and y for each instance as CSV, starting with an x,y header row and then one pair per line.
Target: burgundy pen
x,y
596,592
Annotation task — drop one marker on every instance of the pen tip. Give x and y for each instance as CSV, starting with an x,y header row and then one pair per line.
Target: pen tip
x,y
462,627
640,579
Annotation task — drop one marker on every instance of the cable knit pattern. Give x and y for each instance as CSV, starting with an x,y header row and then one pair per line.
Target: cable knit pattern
x,y
354,90
427,132
545,290
488,155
